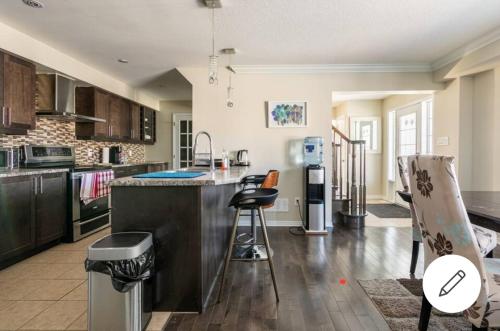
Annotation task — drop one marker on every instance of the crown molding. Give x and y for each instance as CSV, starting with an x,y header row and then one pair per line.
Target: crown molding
x,y
467,49
330,68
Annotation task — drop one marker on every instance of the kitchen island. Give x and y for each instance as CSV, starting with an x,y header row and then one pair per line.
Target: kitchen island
x,y
191,224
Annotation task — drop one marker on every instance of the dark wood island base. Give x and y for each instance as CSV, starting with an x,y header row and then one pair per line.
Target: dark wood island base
x,y
191,226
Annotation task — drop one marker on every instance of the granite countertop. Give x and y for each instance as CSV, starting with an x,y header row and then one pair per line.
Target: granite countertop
x,y
218,177
30,172
131,164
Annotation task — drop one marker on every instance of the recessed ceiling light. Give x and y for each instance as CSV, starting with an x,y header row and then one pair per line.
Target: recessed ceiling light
x,y
123,60
33,3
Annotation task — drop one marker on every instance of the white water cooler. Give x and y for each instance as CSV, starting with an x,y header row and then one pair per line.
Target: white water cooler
x,y
314,199
314,186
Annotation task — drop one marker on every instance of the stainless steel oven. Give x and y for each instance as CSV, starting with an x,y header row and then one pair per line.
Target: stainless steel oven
x,y
86,218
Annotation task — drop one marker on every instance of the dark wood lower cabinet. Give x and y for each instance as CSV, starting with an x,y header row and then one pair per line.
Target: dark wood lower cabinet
x,y
17,216
32,214
50,208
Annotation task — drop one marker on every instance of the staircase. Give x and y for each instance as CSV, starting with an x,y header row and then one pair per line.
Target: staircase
x,y
348,180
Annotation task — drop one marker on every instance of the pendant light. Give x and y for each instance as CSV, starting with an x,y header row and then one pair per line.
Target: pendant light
x,y
229,99
213,60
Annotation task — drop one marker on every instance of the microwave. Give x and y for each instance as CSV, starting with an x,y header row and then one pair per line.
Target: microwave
x,y
9,158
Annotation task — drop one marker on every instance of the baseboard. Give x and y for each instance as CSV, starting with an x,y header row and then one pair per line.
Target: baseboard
x,y
245,221
375,197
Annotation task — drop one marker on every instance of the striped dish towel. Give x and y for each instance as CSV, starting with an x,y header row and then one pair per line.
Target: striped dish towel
x,y
95,185
102,183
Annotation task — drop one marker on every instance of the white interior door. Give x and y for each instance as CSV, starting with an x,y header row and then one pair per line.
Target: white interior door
x,y
408,137
182,140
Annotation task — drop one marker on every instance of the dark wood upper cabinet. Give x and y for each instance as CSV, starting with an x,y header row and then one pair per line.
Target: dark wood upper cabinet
x,y
50,208
135,121
148,125
126,121
91,101
17,216
119,118
17,94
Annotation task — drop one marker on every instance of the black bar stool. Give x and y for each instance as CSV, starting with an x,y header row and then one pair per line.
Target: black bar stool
x,y
254,250
251,199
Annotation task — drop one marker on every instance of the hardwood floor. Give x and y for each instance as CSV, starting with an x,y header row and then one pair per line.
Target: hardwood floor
x,y
308,273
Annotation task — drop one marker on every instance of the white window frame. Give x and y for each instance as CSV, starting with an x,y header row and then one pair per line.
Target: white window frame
x,y
391,148
378,136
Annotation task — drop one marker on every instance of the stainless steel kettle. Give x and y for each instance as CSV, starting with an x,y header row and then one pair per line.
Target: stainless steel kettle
x,y
242,157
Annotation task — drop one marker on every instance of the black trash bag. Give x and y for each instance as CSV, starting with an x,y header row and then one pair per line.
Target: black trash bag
x,y
124,273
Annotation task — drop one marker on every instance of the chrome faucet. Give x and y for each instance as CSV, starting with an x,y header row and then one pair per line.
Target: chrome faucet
x,y
212,162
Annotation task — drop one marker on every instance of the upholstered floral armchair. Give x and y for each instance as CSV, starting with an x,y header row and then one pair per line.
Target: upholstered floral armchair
x,y
446,229
487,239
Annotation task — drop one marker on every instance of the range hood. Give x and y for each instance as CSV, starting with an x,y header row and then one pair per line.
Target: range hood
x,y
55,96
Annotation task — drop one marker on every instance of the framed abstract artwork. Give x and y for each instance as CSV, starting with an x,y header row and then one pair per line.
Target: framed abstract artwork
x,y
286,114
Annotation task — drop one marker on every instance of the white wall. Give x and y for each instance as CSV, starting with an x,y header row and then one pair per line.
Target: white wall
x,y
162,150
245,127
366,108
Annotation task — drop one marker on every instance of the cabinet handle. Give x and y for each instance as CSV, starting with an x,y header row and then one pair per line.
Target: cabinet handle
x,y
111,130
6,117
41,185
35,179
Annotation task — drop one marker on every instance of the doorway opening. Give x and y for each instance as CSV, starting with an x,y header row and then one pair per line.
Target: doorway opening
x,y
392,123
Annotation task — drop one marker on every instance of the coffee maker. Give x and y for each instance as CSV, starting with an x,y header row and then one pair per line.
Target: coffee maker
x,y
115,154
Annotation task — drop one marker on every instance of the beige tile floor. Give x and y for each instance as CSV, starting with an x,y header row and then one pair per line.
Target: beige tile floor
x,y
49,291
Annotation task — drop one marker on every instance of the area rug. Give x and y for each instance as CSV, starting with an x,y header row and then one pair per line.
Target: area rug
x,y
388,210
399,301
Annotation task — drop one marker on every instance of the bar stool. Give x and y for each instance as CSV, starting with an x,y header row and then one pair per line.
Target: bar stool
x,y
253,250
251,199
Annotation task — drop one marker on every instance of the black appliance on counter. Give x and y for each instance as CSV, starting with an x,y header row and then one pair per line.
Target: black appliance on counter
x,y
82,219
115,154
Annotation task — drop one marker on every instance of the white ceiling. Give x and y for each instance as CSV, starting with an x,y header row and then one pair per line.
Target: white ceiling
x,y
158,35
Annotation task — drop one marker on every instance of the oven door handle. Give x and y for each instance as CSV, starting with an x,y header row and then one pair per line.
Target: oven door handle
x,y
95,218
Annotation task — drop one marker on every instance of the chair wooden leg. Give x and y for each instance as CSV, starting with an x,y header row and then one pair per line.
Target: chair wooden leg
x,y
263,227
229,252
474,328
425,314
490,254
414,256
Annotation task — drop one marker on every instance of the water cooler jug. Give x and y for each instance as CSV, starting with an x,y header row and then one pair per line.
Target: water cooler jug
x,y
314,186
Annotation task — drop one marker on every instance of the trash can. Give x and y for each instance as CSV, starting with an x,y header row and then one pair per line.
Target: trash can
x,y
120,267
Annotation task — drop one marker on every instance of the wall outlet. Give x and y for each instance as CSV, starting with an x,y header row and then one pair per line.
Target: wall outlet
x,y
442,141
297,201
280,205
89,153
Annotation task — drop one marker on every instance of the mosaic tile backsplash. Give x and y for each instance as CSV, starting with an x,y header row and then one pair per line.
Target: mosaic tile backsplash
x,y
56,132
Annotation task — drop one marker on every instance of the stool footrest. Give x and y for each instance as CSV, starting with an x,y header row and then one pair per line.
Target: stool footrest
x,y
249,259
248,244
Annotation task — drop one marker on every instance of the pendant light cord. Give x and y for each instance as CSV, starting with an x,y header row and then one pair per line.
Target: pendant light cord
x,y
213,31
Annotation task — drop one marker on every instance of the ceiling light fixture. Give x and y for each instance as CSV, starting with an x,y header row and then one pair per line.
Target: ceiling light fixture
x,y
213,60
33,4
123,60
229,100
